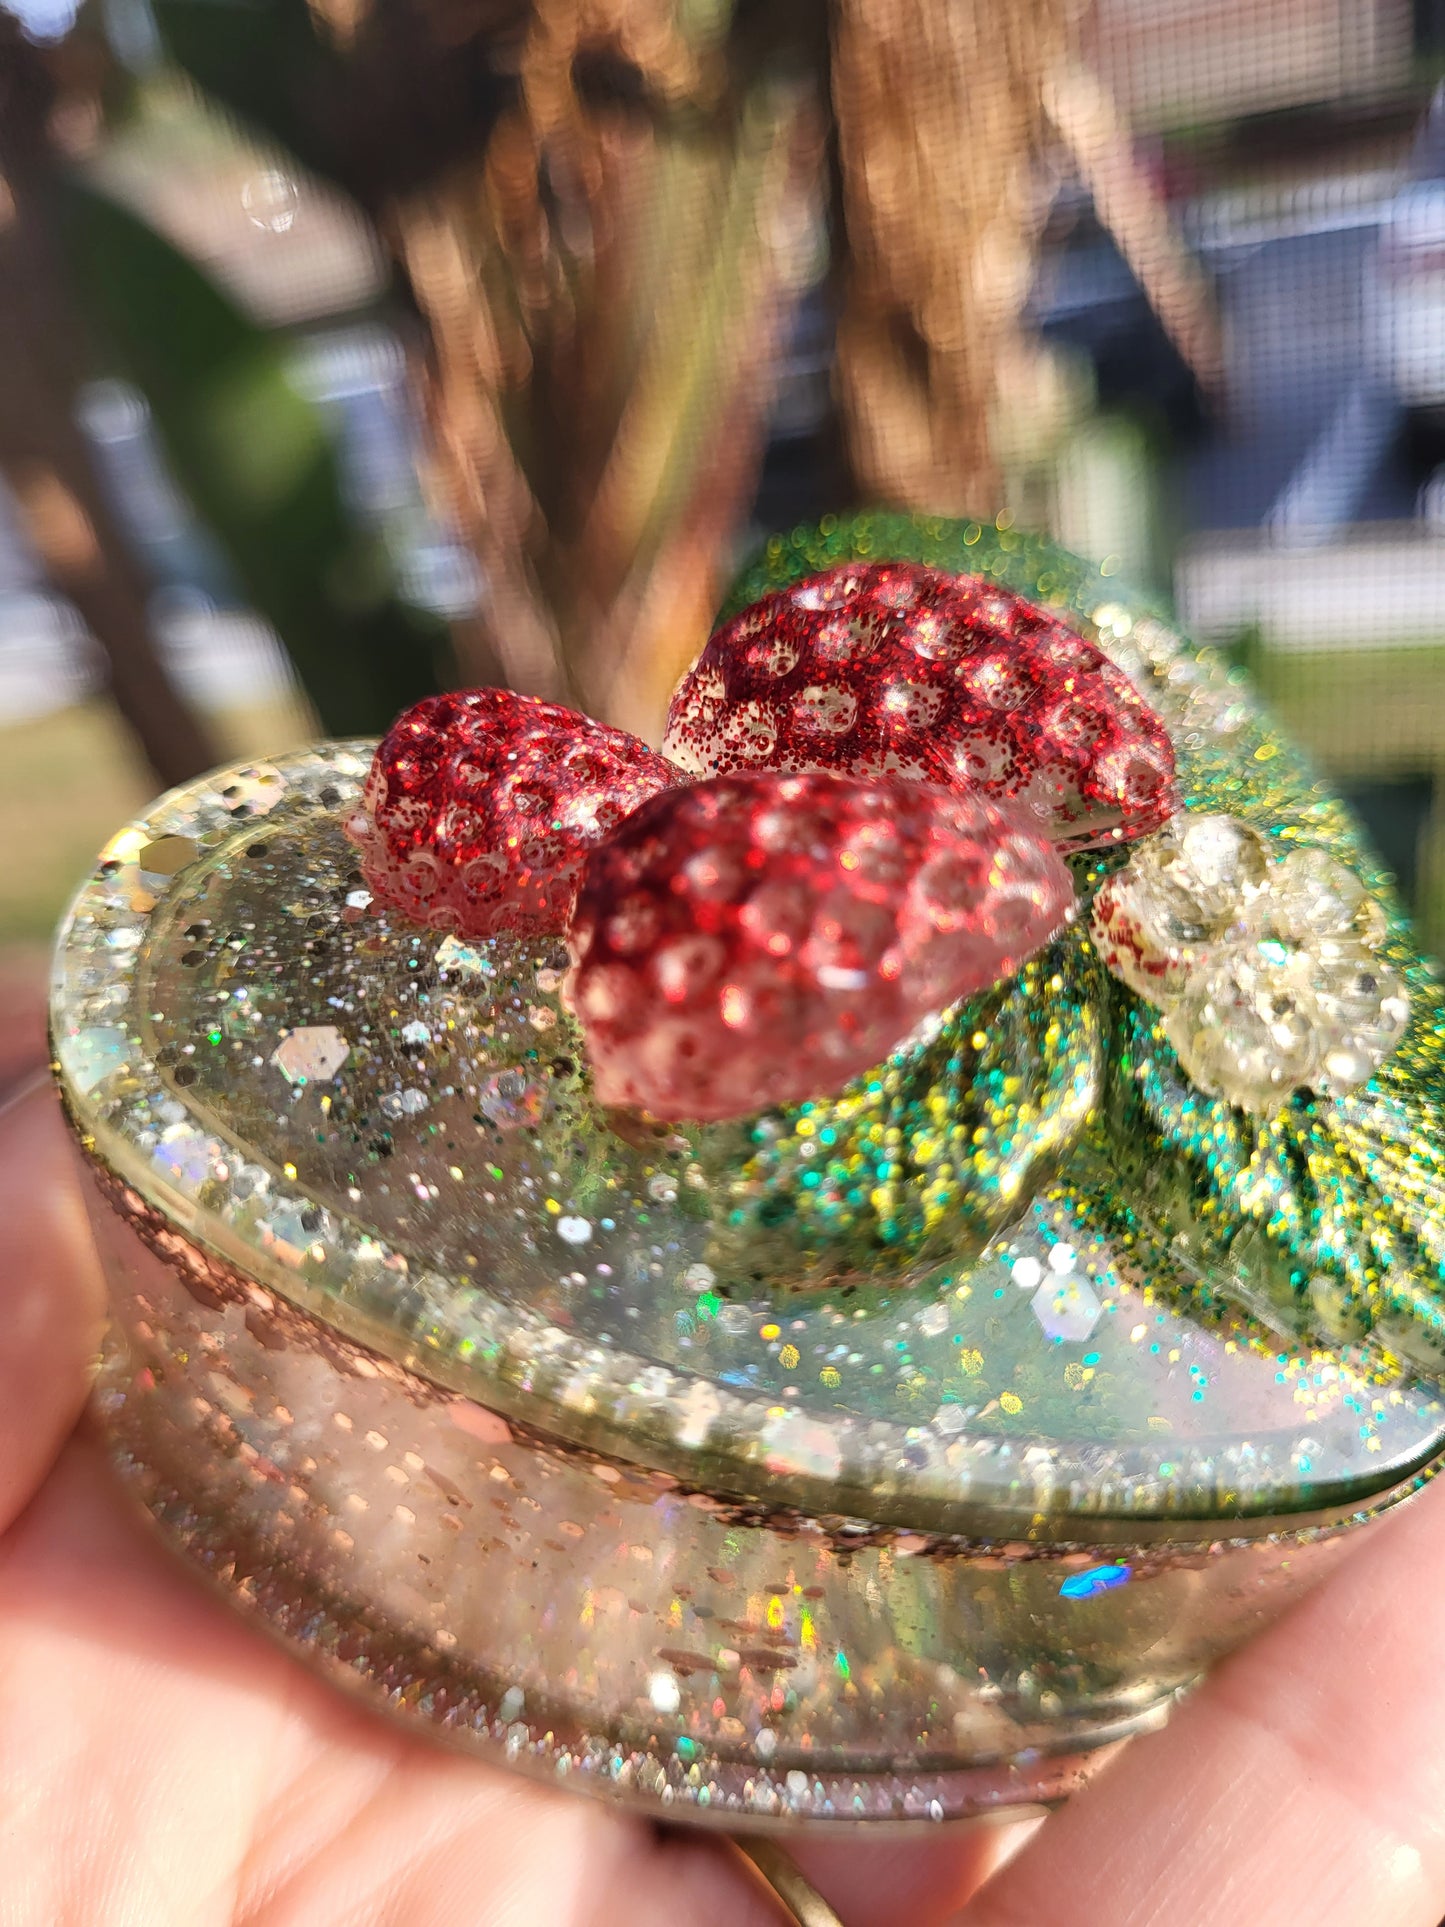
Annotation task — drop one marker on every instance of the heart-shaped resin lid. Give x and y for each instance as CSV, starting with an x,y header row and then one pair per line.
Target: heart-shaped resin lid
x,y
983,1290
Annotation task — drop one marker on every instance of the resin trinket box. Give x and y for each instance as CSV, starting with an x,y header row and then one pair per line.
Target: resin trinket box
x,y
816,1276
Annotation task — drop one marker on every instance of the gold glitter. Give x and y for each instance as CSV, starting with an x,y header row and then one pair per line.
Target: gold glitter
x,y
166,855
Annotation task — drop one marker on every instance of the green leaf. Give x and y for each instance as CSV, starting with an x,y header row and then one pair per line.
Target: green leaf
x,y
922,1159
255,459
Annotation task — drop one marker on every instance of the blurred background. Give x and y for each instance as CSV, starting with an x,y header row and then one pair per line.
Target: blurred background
x,y
349,348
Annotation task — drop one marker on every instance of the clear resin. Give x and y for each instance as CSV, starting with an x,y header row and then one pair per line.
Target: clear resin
x,y
867,1459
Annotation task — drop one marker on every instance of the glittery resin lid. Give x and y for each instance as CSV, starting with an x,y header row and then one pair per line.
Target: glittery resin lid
x,y
1022,1274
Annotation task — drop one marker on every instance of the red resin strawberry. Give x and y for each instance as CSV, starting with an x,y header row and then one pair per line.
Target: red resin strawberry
x,y
889,668
481,805
755,940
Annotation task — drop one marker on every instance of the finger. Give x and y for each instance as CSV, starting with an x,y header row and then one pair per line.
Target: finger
x,y
921,1879
51,1295
161,1762
1304,1782
22,1013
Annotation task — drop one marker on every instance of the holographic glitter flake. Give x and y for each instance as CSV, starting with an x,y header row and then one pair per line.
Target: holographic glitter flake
x,y
510,1099
457,959
886,668
93,1055
759,940
1093,1581
311,1054
1067,1309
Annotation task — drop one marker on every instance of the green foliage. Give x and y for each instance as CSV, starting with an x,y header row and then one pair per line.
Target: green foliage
x,y
264,61
255,459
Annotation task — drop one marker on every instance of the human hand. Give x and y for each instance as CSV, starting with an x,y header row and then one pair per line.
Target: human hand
x,y
161,1763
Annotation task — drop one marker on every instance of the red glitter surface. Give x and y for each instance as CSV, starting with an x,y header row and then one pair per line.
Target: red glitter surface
x,y
481,805
759,939
893,669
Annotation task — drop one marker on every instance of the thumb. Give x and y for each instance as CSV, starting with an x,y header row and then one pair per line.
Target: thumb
x,y
51,1295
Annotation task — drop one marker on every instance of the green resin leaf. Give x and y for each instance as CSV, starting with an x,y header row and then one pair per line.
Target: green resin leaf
x,y
924,1158
1028,564
1325,1222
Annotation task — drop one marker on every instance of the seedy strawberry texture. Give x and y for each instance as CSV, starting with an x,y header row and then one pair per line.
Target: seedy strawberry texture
x,y
890,668
754,940
481,806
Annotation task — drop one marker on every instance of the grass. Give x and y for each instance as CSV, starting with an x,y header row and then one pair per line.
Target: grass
x,y
68,780
1372,713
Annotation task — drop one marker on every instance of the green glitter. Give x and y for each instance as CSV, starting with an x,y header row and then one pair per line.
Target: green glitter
x,y
1326,1222
931,1153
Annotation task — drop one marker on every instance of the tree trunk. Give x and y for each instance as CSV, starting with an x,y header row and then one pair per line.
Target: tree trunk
x,y
604,294
939,109
43,455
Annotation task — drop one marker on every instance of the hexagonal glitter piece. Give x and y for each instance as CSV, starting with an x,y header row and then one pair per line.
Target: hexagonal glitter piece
x,y
311,1054
1067,1308
165,856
